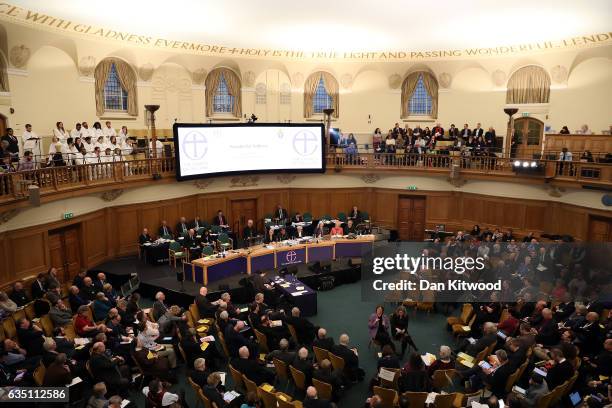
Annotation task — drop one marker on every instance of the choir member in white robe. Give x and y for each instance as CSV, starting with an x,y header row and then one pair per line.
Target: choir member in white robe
x,y
108,130
89,146
60,132
76,132
123,135
31,141
86,131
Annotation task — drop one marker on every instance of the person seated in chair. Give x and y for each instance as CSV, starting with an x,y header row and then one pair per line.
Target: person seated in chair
x,y
164,230
350,228
192,242
350,356
251,368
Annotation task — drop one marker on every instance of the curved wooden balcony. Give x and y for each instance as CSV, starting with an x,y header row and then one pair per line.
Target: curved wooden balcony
x,y
61,182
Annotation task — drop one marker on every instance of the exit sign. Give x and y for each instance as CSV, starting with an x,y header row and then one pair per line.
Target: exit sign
x,y
67,215
525,114
411,188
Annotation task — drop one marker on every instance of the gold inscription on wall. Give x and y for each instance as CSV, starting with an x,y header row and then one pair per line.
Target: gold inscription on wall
x,y
32,18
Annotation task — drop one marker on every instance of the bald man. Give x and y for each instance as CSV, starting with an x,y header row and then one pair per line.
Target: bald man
x,y
251,369
322,341
351,359
312,399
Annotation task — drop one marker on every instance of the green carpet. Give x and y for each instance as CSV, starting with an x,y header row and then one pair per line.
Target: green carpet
x,y
341,310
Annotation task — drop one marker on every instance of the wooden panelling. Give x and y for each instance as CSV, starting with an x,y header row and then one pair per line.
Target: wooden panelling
x,y
94,237
29,253
130,227
112,232
535,217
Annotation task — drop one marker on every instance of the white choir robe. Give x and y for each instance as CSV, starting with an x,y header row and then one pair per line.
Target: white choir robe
x,y
89,147
87,132
108,132
29,144
122,137
97,133
62,135
76,133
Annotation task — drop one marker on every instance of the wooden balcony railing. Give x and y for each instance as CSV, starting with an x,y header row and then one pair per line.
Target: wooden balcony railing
x,y
14,186
65,178
594,173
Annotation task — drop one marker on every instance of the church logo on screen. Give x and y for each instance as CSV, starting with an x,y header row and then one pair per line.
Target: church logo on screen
x,y
305,143
195,145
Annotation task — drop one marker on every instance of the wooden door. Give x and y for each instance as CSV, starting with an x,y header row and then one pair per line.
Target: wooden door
x,y
411,218
3,125
528,134
243,210
600,229
64,250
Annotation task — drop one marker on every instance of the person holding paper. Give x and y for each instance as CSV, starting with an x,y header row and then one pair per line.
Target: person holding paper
x,y
537,389
157,392
378,326
443,362
211,391
152,364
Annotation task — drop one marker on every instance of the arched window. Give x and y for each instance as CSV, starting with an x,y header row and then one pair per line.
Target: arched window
x,y
223,93
321,99
115,97
320,92
223,100
530,84
115,83
420,95
420,101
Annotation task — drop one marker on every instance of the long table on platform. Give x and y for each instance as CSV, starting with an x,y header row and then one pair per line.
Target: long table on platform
x,y
278,255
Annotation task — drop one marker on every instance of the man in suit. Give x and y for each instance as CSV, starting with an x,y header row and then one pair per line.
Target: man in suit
x,y
437,129
304,329
537,389
303,363
489,137
312,400
19,295
354,215
590,335
144,237
99,282
349,228
326,374
351,360
31,337
220,219
298,217
497,376
182,227
165,230
548,331
193,243
453,132
58,373
251,369
561,371
465,132
280,213
477,132
38,287
235,340
205,306
282,353
298,232
197,223
489,337
322,341
106,369
88,291
13,147
249,232
159,307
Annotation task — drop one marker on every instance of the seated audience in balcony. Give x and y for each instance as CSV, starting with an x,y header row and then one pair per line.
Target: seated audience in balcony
x,y
565,155
376,138
586,157
478,131
27,162
453,132
584,130
564,131
389,144
465,132
437,130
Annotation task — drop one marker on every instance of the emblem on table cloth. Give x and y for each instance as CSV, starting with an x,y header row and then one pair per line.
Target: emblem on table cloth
x,y
291,256
194,145
305,142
